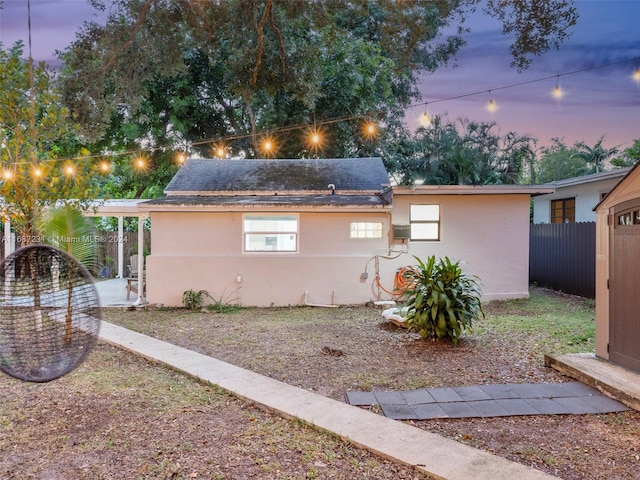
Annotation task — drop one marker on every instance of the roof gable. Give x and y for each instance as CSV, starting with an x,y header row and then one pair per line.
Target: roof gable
x,y
216,177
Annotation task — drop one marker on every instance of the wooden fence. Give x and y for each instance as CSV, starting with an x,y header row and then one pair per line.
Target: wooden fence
x,y
562,256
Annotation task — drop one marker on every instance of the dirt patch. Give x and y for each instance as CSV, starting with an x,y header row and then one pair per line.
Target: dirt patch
x,y
330,351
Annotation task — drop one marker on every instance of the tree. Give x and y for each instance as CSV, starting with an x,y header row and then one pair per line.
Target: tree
x,y
36,138
557,162
630,156
189,73
596,156
469,153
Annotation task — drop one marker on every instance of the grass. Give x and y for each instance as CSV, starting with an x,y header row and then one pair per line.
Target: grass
x,y
557,324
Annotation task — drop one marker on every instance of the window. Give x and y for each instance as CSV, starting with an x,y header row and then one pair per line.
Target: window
x,y
425,222
563,210
270,233
366,230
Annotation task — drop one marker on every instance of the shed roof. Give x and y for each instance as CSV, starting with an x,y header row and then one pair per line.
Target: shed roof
x,y
306,176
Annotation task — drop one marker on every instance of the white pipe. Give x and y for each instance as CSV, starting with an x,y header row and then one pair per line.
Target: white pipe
x,y
307,304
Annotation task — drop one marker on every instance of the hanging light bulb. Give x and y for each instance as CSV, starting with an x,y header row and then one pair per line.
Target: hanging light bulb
x,y
315,139
268,146
105,167
181,158
636,75
424,120
140,163
369,130
37,172
557,92
492,106
219,151
69,170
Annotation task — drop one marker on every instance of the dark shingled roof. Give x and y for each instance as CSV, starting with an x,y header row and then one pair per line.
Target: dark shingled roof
x,y
208,176
270,200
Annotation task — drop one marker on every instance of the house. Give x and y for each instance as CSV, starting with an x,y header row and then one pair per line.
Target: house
x,y
325,232
618,273
574,198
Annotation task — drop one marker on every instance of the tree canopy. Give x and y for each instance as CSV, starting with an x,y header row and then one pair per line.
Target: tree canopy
x,y
208,76
36,137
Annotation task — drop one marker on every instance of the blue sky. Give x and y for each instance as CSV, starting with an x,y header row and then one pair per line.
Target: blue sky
x,y
604,101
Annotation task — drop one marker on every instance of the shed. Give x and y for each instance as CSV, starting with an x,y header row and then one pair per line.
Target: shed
x,y
618,273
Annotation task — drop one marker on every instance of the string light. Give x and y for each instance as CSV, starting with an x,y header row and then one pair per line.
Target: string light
x,y
557,92
37,172
636,75
7,175
140,163
425,120
105,167
492,106
69,170
268,146
181,158
369,130
220,151
315,139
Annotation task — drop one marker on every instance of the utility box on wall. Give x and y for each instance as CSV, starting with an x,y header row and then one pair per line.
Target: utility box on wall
x,y
401,232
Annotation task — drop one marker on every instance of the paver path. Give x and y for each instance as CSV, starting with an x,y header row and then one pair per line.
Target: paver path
x,y
498,400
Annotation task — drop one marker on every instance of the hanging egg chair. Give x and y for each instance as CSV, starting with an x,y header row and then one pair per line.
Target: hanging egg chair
x,y
49,313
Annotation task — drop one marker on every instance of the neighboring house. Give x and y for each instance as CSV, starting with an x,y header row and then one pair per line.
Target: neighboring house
x,y
574,198
618,273
325,232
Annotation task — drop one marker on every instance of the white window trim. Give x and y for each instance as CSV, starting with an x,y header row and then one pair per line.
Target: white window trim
x,y
437,222
275,252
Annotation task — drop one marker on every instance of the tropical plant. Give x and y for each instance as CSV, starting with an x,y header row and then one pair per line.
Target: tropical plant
x,y
443,300
596,156
193,300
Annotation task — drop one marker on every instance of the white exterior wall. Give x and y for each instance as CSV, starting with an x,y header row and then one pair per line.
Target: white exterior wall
x,y
204,250
488,234
587,196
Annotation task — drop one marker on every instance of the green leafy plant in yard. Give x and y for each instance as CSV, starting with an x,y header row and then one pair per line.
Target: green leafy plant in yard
x,y
442,301
194,300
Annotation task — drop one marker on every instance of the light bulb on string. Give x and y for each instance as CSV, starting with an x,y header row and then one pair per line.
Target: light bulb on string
x,y
315,139
105,167
69,170
636,75
492,106
268,146
7,175
369,130
557,92
37,172
219,151
425,120
140,163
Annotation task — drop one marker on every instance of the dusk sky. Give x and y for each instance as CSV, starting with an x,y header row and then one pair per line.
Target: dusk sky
x,y
601,101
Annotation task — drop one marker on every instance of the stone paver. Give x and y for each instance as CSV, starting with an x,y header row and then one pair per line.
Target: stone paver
x,y
571,398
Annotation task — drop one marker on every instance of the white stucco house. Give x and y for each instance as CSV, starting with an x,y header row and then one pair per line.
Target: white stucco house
x,y
573,199
325,232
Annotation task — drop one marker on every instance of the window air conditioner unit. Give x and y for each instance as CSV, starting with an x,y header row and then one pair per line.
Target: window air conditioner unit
x,y
402,232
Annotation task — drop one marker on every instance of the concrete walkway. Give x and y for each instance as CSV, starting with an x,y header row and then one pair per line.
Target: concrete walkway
x,y
427,452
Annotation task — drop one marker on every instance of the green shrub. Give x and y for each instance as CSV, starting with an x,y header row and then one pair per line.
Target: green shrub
x,y
193,300
442,301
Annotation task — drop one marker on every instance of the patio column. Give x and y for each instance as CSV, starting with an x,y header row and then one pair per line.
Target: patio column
x,y
141,273
120,247
7,238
